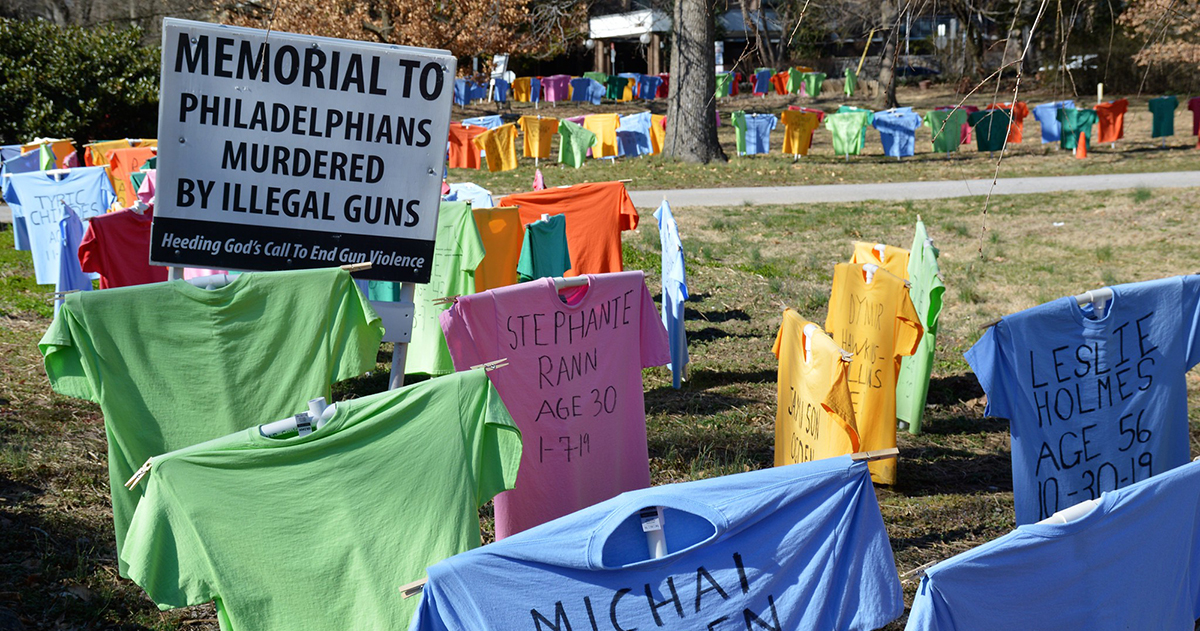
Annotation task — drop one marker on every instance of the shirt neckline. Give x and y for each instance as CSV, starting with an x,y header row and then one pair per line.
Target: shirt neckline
x,y
608,526
218,294
1077,312
1083,522
340,414
581,295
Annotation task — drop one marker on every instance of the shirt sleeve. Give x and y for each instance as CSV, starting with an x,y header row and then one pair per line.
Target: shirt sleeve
x,y
628,218
908,325
929,610
463,326
165,555
837,401
470,244
91,257
494,437
778,345
436,611
355,331
655,349
63,347
986,359
1191,318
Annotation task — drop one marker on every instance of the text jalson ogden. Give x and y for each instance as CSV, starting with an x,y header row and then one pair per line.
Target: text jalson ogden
x,y
310,67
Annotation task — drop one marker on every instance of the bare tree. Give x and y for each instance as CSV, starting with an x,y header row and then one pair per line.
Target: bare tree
x,y
691,105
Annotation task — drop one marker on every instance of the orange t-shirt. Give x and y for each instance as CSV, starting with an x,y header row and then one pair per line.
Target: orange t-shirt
x,y
122,162
1112,120
501,231
1016,127
596,214
779,81
537,132
463,152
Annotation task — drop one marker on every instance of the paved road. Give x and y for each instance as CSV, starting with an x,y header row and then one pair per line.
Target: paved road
x,y
910,190
895,191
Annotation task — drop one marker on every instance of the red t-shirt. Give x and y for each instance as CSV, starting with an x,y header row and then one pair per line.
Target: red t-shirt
x,y
1194,105
117,246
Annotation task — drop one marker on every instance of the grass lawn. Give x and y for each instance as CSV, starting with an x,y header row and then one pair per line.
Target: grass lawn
x,y
1135,153
745,264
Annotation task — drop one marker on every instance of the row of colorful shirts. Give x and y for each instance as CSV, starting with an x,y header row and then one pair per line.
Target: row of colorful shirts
x,y
592,87
121,159
488,139
993,127
845,387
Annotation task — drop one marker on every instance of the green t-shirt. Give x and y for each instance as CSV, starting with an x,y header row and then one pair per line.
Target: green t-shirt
x,y
544,251
926,291
851,82
574,142
991,128
795,79
1073,123
870,121
599,77
724,84
172,365
614,87
1163,108
946,126
320,531
738,120
813,82
847,128
457,252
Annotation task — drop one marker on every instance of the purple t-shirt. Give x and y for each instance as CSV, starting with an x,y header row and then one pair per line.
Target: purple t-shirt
x,y
556,88
573,385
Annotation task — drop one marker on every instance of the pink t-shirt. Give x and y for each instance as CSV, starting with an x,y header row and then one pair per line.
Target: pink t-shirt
x,y
555,88
573,385
145,192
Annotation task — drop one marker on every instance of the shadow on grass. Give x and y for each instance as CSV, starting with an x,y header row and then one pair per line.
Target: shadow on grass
x,y
667,400
936,470
953,389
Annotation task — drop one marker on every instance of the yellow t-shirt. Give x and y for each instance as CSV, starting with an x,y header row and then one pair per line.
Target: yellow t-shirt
x,y
501,232
894,260
658,133
96,153
146,142
878,323
814,418
605,128
500,144
522,87
537,133
797,131
627,93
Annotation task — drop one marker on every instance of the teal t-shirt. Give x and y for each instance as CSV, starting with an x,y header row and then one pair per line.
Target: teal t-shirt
x,y
173,365
574,142
924,276
1074,122
991,128
320,531
544,251
1163,108
457,252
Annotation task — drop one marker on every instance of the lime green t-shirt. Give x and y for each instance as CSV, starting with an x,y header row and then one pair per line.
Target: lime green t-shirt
x,y
946,126
172,365
1163,109
544,251
457,252
724,84
848,129
851,82
862,142
926,291
795,80
320,531
574,142
738,120
813,82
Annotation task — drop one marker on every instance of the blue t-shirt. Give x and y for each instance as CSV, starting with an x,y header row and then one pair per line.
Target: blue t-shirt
x,y
898,130
1093,405
758,132
762,82
17,164
500,90
1130,563
42,198
795,547
535,89
633,135
587,90
674,290
490,121
8,152
70,275
648,87
1047,116
478,196
462,90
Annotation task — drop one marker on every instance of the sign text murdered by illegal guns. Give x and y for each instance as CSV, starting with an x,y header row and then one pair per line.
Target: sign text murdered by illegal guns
x,y
281,151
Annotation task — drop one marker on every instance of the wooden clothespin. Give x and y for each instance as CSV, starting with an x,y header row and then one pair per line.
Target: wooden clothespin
x,y
492,365
988,325
413,588
503,208
448,300
139,474
878,454
626,181
357,267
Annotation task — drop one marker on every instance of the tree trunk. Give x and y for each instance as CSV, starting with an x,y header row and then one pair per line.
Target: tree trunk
x,y
691,105
891,48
